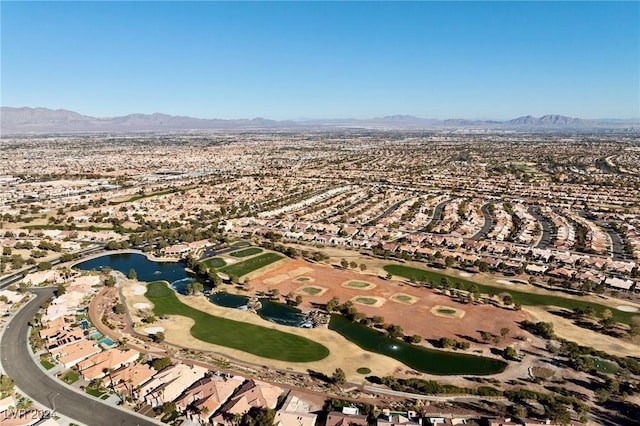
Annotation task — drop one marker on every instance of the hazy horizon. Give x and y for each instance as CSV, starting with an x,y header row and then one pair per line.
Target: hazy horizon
x,y
287,61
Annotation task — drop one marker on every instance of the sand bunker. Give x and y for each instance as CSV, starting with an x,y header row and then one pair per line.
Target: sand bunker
x,y
465,274
359,285
276,280
139,290
372,301
404,298
311,290
447,311
627,308
505,282
154,330
290,274
141,306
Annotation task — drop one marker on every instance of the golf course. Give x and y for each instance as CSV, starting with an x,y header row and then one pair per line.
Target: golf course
x,y
250,338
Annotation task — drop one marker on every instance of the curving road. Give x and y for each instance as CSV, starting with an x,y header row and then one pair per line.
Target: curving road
x,y
30,379
488,224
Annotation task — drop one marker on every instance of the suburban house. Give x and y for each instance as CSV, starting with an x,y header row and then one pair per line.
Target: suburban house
x,y
254,393
170,383
98,365
206,395
126,379
71,354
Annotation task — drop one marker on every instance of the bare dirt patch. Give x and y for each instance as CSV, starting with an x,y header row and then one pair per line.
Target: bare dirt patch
x,y
414,318
407,299
447,311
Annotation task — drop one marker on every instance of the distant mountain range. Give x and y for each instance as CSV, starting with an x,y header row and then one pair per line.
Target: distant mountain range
x,y
43,120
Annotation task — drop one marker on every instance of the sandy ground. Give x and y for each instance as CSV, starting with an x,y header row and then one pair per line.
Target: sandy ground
x,y
627,308
566,329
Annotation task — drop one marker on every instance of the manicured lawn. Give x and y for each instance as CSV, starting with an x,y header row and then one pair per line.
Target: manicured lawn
x,y
254,339
215,262
520,297
446,311
358,284
246,252
93,392
604,366
250,265
363,370
240,244
403,298
303,279
71,377
46,364
366,300
312,290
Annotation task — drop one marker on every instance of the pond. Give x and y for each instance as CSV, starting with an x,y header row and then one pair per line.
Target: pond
x,y
419,358
278,313
146,270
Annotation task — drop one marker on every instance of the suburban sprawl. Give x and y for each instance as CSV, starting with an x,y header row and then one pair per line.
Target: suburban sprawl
x,y
302,277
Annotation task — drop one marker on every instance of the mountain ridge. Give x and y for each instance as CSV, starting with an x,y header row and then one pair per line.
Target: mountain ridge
x,y
44,120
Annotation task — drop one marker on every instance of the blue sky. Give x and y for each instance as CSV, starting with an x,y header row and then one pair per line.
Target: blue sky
x,y
324,60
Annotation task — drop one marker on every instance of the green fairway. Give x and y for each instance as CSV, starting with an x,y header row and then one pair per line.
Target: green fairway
x,y
246,252
240,244
250,265
520,297
214,262
250,338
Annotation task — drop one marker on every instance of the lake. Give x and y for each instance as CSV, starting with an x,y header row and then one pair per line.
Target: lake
x,y
147,270
429,361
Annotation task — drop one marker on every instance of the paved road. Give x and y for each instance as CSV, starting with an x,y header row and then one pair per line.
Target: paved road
x,y
437,214
18,363
547,231
488,224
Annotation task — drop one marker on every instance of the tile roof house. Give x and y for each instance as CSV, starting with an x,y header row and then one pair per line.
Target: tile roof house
x,y
128,378
96,366
205,396
71,354
169,383
254,393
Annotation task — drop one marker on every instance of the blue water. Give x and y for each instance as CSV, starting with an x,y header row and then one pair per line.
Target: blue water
x,y
146,270
84,324
106,341
278,313
96,335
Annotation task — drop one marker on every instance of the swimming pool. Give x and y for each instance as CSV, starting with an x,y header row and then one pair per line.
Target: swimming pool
x,y
106,341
